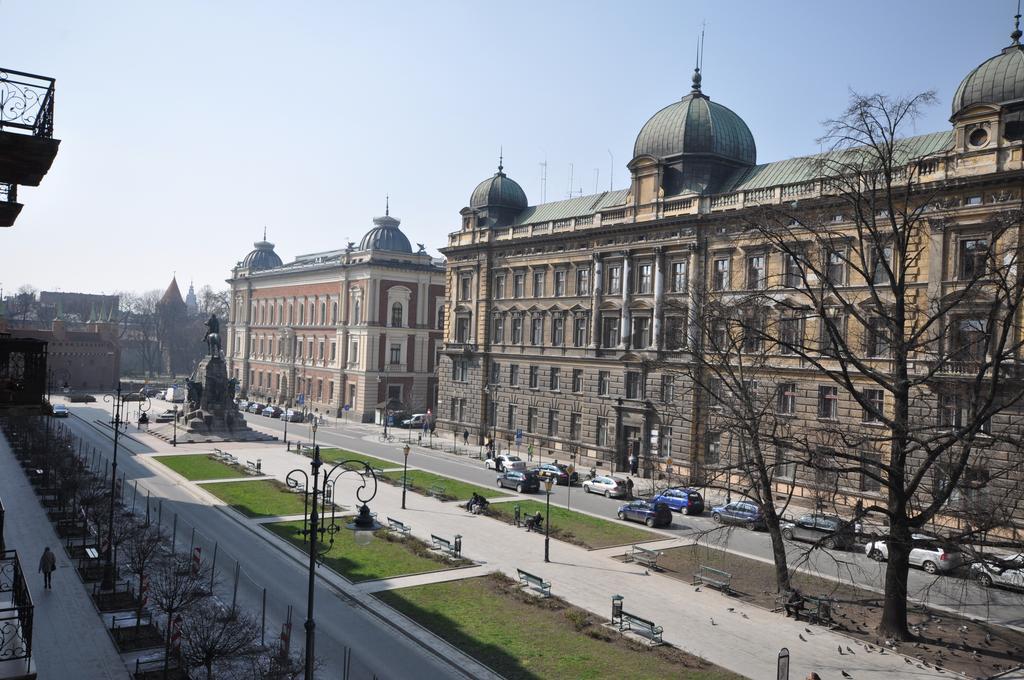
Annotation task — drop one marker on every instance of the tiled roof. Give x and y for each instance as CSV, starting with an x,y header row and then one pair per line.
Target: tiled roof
x,y
572,207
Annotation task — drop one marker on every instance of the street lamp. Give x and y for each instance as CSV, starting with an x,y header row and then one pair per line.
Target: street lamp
x,y
108,565
314,498
174,440
492,408
313,427
547,523
405,474
387,399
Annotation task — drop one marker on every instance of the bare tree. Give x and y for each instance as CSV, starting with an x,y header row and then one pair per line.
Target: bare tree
x,y
211,637
175,587
931,359
213,302
139,328
142,548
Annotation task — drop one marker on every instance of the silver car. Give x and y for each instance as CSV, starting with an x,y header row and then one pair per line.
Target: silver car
x,y
1005,570
611,487
927,552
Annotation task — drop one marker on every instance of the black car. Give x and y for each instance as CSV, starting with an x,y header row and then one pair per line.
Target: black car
x,y
828,530
521,481
556,472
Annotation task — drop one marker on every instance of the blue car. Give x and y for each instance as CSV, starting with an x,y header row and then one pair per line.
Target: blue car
x,y
745,513
650,513
686,501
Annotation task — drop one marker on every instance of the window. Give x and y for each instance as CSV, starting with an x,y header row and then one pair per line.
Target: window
x,y
495,373
511,422
719,335
534,377
790,335
531,419
876,406
396,353
835,267
517,330
828,402
970,342
713,451
499,286
614,280
579,330
310,355
558,331
665,450
675,332
334,350
823,461
462,329
396,315
302,314
575,427
668,389
320,351
753,333
537,330
440,318
602,383
643,279
786,467
955,412
877,337
353,353
499,329
465,286
870,462
583,281
720,274
634,387
787,398
334,312
641,332
973,200
556,377
602,431
881,260
519,285
538,284
756,273
323,313
560,283
833,331
791,277
460,370
357,312
577,380
513,375
552,423
610,331
680,276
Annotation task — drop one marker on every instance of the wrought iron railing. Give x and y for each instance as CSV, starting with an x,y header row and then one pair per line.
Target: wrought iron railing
x,y
3,546
8,193
16,610
26,103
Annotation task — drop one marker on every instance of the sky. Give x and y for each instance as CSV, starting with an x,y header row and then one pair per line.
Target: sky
x,y
187,127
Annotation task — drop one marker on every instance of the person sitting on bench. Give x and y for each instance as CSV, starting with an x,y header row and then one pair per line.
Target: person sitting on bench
x,y
794,603
534,522
476,504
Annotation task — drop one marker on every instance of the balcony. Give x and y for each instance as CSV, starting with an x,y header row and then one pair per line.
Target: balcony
x,y
9,206
27,146
22,375
16,610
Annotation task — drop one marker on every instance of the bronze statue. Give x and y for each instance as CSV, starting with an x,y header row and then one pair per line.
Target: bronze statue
x,y
212,337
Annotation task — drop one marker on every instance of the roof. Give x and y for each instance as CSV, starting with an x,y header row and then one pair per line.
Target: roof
x,y
572,207
173,293
696,125
262,257
499,190
385,235
999,79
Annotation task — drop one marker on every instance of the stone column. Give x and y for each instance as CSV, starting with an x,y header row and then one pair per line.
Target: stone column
x,y
596,294
659,299
627,318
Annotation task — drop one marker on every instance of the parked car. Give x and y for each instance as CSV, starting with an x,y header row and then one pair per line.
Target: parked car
x,y
165,417
557,472
523,481
746,513
609,486
242,404
416,420
272,411
1004,570
505,463
292,416
650,513
60,411
829,531
926,552
256,407
152,392
680,499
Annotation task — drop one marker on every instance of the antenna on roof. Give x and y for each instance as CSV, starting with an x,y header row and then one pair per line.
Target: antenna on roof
x,y
611,174
544,180
597,176
1016,26
571,170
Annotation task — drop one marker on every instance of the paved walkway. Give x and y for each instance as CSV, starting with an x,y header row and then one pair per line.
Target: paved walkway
x,y
69,639
745,640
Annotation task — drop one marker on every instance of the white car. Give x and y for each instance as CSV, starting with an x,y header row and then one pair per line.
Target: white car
x,y
1008,571
927,553
502,463
609,486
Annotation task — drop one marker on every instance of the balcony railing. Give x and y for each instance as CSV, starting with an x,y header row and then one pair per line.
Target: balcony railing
x,y
16,610
26,103
8,193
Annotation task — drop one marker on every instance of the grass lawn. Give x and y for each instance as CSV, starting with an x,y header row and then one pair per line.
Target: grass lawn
x,y
337,455
262,498
199,466
575,527
420,481
523,637
385,556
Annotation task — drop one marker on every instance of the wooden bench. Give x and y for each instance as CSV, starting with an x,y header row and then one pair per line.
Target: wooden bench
x,y
436,490
453,548
252,468
644,556
399,526
632,621
528,579
713,577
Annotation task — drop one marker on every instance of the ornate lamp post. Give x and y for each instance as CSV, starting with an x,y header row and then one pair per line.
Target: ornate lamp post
x,y
108,565
492,414
321,535
547,522
405,473
174,440
313,428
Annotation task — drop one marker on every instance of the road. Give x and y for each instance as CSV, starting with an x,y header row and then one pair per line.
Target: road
x,y
953,593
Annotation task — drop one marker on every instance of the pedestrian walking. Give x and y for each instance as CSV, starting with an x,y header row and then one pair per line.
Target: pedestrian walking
x,y
47,565
529,453
634,464
629,488
465,436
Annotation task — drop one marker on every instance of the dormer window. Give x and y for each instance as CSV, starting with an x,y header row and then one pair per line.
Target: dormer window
x,y
978,137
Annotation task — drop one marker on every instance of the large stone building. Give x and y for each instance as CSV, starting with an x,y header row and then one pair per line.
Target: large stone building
x,y
572,322
347,329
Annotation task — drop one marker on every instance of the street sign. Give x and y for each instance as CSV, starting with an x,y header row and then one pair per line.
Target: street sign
x,y
782,670
519,436
301,399
391,420
346,407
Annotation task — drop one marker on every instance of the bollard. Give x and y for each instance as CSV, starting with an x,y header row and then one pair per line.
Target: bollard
x,y
259,464
617,610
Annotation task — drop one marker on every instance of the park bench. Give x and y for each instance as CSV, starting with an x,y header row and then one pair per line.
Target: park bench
x,y
298,487
713,577
453,548
231,458
644,556
252,468
219,454
399,526
528,579
634,622
818,610
437,491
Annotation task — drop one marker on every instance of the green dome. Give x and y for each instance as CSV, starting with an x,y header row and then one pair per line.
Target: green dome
x,y
498,191
696,125
997,81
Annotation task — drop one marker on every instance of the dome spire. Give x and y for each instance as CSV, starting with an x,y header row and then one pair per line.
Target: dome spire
x,y
264,232
699,61
387,205
1015,36
501,158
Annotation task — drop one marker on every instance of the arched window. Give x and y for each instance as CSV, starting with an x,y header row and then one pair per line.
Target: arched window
x,y
280,313
323,313
440,318
357,312
302,315
289,315
334,313
396,315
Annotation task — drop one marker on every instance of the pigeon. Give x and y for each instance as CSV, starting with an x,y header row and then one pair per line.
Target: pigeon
x,y
713,622
988,639
906,660
845,674
962,629
732,609
808,631
848,649
802,638
697,589
646,573
840,648
744,615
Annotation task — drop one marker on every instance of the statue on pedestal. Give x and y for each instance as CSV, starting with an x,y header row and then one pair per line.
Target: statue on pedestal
x,y
212,337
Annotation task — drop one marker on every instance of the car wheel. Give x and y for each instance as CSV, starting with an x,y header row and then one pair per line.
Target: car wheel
x,y
500,485
787,534
716,517
649,521
607,493
876,555
519,488
686,510
829,544
586,489
929,567
985,580
622,515
751,526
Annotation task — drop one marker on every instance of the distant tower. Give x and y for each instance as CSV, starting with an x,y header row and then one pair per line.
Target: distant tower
x,y
191,304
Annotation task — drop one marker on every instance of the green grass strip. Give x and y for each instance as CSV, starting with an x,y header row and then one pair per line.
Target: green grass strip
x,y
386,556
261,498
199,466
576,527
524,637
420,481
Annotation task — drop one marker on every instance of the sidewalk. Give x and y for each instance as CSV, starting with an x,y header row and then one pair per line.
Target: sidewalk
x,y
68,636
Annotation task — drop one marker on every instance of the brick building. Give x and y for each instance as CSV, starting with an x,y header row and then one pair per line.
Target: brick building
x,y
344,328
81,356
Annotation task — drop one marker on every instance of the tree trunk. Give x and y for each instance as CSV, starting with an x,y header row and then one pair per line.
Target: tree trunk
x,y
778,551
894,609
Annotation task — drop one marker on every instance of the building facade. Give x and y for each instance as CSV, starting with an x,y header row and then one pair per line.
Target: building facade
x,y
349,330
571,325
81,356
